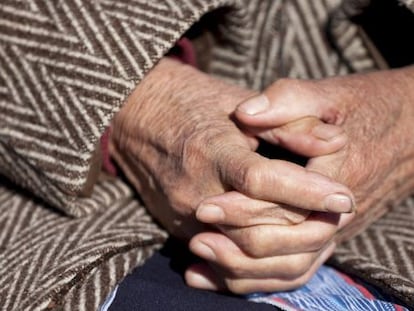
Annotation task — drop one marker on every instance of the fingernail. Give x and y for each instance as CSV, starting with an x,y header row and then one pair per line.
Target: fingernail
x,y
339,203
327,131
200,281
204,251
210,213
345,220
254,105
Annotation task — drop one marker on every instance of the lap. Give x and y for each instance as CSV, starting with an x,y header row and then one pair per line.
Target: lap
x,y
159,285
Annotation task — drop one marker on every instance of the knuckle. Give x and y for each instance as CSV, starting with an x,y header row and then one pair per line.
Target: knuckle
x,y
255,242
297,266
234,266
191,146
288,86
182,202
319,240
236,286
256,251
251,178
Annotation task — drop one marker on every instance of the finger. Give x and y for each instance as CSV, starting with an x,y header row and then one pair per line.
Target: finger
x,y
237,263
329,165
268,110
270,240
217,279
307,136
285,101
252,141
202,276
246,286
281,181
235,209
275,107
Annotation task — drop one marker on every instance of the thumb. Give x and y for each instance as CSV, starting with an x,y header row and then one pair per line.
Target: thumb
x,y
309,136
284,101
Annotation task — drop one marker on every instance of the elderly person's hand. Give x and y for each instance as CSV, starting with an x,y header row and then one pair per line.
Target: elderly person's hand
x,y
376,110
175,141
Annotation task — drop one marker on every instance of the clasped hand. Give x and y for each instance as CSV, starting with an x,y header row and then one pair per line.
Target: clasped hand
x,y
188,147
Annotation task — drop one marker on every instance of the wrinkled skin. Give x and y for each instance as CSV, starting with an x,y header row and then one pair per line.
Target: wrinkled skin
x,y
377,112
176,143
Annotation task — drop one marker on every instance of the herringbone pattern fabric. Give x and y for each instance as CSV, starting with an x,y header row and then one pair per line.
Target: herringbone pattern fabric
x,y
384,253
45,256
65,69
91,292
290,39
66,66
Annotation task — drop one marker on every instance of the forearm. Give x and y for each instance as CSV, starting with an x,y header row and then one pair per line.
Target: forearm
x,y
62,82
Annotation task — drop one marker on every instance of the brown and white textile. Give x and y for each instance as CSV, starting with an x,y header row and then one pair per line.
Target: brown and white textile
x,y
47,259
384,253
66,67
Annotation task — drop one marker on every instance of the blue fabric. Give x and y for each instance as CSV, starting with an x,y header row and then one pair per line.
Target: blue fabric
x,y
327,290
159,285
